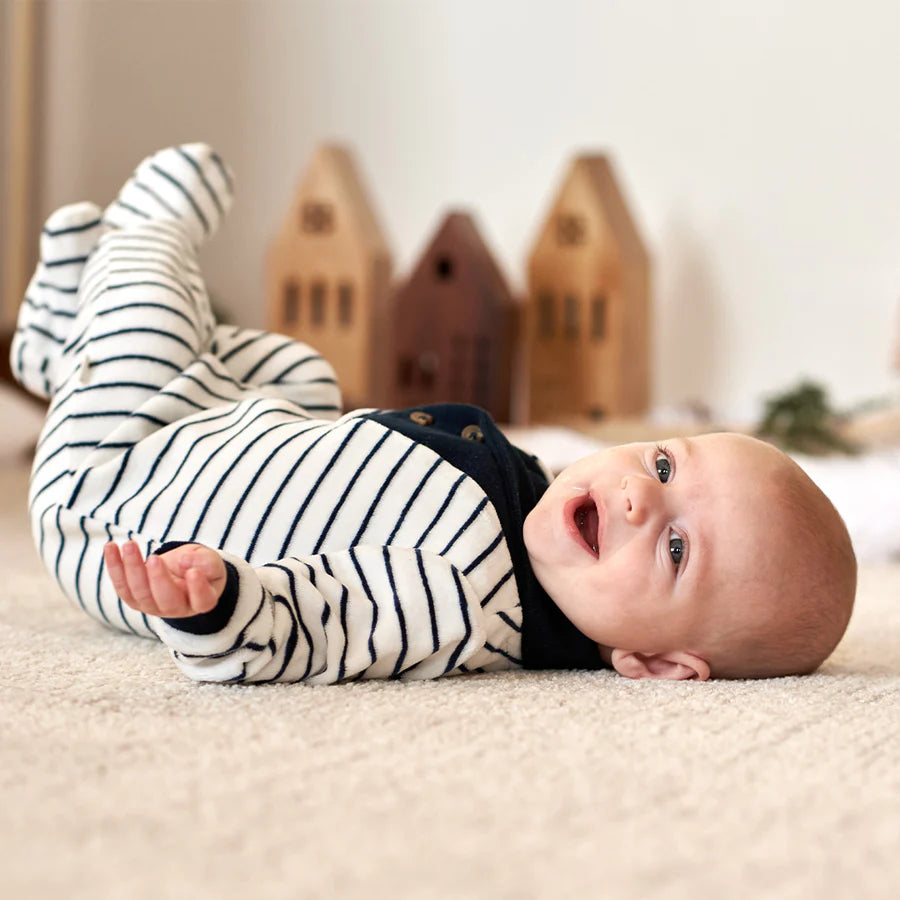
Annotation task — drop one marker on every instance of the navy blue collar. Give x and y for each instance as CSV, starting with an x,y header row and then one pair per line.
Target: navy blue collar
x,y
467,438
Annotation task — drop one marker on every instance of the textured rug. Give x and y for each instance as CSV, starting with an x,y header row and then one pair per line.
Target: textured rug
x,y
119,778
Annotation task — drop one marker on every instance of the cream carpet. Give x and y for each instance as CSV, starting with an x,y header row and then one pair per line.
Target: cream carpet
x,y
121,779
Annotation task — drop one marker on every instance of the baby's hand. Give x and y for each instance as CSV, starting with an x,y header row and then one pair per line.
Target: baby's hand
x,y
184,581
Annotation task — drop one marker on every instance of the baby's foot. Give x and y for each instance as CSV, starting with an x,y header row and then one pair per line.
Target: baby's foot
x,y
47,312
188,184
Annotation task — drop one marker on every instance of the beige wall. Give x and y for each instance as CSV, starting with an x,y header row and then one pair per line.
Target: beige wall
x,y
126,78
5,8
757,142
20,79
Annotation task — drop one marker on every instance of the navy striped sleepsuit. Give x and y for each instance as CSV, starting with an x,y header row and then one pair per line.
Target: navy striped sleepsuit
x,y
353,549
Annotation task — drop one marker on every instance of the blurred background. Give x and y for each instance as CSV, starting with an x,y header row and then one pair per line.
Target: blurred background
x,y
757,143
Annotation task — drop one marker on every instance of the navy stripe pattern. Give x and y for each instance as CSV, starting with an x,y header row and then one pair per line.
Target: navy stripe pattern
x,y
49,304
359,553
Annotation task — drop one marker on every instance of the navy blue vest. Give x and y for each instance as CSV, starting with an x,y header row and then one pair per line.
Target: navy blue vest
x,y
467,438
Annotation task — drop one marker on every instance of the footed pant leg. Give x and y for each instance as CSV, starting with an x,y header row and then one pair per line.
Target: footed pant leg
x,y
142,316
188,186
281,366
51,300
138,318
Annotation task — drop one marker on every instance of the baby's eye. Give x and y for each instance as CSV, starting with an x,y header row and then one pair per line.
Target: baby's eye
x,y
676,548
663,464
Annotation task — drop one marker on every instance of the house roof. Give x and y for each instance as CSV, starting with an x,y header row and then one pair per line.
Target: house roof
x,y
334,170
459,232
595,171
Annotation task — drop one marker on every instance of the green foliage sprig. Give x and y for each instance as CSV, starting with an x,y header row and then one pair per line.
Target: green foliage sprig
x,y
802,420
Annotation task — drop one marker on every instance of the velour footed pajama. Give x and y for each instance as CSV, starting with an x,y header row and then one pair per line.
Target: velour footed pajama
x,y
374,544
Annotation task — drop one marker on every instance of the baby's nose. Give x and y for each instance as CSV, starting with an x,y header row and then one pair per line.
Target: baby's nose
x,y
640,498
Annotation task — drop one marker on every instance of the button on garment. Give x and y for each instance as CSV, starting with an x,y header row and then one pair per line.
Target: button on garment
x,y
420,417
473,433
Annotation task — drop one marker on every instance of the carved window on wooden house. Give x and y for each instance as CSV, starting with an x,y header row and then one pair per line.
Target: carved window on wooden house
x,y
428,368
444,267
570,229
458,369
406,370
418,370
345,304
545,314
598,317
317,218
483,370
317,302
290,312
570,316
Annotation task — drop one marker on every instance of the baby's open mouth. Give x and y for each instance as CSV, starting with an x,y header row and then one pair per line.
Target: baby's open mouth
x,y
587,521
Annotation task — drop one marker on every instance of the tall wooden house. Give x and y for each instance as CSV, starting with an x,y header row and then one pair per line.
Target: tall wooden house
x,y
328,276
454,323
588,303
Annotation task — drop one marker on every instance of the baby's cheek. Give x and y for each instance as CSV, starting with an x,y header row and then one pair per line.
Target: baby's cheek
x,y
537,529
529,529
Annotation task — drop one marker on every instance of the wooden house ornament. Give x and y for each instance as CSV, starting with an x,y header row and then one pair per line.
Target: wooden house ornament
x,y
328,276
588,303
454,323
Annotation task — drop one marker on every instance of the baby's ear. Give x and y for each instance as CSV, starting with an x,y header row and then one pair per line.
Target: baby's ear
x,y
674,666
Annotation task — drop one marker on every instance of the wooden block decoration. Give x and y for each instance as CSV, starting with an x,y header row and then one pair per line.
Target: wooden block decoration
x,y
587,314
454,325
328,275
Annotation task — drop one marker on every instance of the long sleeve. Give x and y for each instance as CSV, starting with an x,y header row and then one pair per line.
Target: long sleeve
x,y
369,612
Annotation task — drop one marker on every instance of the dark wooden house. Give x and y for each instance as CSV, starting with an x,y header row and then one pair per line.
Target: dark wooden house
x,y
454,323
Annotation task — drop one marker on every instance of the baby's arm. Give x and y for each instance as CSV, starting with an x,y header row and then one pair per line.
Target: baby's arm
x,y
370,612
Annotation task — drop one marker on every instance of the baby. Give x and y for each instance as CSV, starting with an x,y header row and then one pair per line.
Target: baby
x,y
197,483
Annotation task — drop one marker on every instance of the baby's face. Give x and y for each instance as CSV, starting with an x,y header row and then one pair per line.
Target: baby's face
x,y
636,543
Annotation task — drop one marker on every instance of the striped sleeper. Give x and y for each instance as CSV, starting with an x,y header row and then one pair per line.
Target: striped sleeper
x,y
352,550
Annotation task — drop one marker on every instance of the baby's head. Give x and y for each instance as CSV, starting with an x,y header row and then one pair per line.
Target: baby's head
x,y
713,556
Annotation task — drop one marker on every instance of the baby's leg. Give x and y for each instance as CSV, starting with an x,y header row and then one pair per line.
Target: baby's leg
x,y
281,366
141,318
51,300
143,315
189,185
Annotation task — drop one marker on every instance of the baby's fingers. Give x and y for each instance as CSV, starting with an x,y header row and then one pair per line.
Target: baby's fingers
x,y
202,596
170,597
129,576
112,557
136,583
197,556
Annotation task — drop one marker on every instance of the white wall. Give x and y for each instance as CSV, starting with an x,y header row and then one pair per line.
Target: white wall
x,y
759,143
5,101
